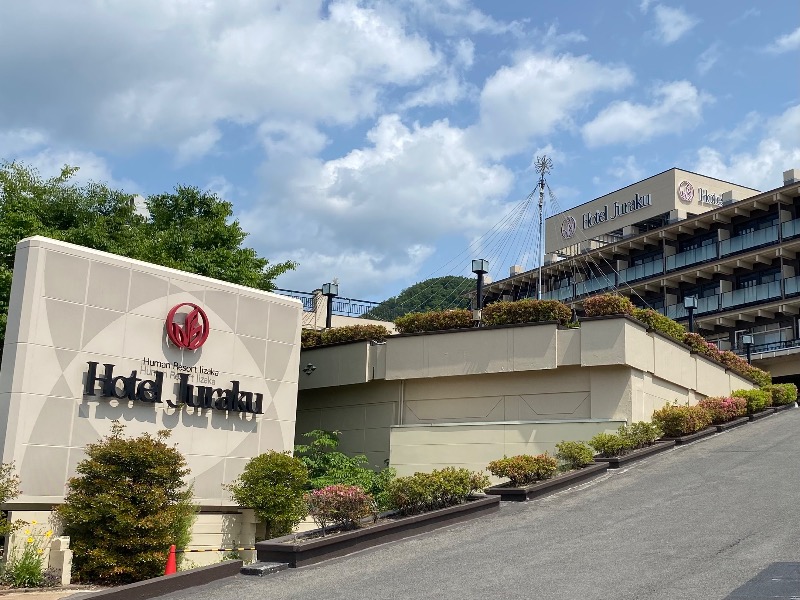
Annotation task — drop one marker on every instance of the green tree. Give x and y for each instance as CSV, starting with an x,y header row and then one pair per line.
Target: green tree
x,y
125,508
273,484
437,293
187,229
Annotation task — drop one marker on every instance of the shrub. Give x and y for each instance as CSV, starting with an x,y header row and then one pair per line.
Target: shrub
x,y
574,455
9,489
610,444
26,569
327,466
526,311
272,484
428,491
342,505
640,434
352,333
524,468
310,338
698,343
125,507
434,320
724,409
782,393
757,400
677,420
660,323
740,366
608,304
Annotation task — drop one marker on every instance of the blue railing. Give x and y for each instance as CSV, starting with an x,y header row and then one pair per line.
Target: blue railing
x,y
756,293
691,257
749,240
641,271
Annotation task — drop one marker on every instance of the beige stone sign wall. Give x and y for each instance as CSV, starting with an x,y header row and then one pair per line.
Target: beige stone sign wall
x,y
72,306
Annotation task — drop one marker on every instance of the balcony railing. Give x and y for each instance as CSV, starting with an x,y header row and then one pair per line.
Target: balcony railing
x,y
691,257
348,307
769,347
594,284
756,293
791,286
641,271
749,240
564,293
704,305
790,229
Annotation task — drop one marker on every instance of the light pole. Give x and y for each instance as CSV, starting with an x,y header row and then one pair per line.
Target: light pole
x,y
331,290
747,340
480,267
690,304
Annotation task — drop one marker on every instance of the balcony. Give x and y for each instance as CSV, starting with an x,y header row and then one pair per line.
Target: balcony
x,y
704,305
594,284
564,293
691,257
641,271
749,295
769,347
791,286
762,237
790,229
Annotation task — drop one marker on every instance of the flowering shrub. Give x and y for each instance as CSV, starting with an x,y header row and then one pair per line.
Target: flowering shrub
x,y
342,505
641,434
660,323
677,420
26,569
526,311
757,400
608,304
611,444
574,455
782,393
310,338
352,333
439,489
726,409
524,468
698,343
740,366
435,320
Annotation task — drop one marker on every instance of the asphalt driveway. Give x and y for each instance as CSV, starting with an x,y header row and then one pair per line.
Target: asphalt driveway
x,y
699,521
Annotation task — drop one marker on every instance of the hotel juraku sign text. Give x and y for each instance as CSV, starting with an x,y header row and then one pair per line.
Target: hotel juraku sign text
x,y
618,209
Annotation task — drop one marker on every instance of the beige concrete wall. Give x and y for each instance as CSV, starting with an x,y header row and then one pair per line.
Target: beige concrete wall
x,y
663,190
427,447
71,305
363,414
344,364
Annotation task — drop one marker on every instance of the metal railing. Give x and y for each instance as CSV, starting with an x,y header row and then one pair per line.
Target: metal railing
x,y
791,286
307,298
641,271
704,305
564,293
749,240
790,229
756,293
346,307
594,284
769,347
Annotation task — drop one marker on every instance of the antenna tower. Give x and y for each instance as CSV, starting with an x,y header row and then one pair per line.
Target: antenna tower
x,y
543,166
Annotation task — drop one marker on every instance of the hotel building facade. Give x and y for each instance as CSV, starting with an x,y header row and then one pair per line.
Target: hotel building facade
x,y
679,234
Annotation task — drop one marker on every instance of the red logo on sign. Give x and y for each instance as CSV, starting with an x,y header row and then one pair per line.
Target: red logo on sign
x,y
194,331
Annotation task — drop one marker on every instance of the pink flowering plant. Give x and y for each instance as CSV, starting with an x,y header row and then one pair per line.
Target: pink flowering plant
x,y
340,505
724,409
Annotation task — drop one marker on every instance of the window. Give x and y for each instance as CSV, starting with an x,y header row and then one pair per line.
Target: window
x,y
758,278
697,242
754,225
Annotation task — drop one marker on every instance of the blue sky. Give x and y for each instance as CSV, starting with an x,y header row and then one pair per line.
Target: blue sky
x,y
375,141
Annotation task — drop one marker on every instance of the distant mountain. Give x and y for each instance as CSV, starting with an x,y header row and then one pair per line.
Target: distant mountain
x,y
432,294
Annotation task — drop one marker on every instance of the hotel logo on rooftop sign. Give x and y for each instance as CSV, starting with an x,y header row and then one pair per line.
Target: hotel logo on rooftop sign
x,y
618,209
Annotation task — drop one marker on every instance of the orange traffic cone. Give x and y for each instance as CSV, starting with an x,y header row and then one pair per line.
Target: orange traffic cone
x,y
172,565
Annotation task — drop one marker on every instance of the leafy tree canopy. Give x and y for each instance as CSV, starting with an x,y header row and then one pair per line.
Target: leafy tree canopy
x,y
187,229
438,293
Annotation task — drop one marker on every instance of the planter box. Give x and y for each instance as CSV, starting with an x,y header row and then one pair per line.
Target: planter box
x,y
290,549
760,415
616,462
690,437
549,486
783,407
732,424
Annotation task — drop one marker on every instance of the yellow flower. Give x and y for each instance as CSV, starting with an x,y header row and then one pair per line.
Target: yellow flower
x,y
30,540
40,551
33,522
49,533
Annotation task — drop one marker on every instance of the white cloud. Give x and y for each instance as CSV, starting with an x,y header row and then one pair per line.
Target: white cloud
x,y
376,213
197,146
672,23
626,169
677,106
785,43
537,94
708,58
644,5
762,165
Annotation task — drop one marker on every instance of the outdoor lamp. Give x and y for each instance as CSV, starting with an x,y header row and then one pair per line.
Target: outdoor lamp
x,y
690,304
331,290
480,267
747,340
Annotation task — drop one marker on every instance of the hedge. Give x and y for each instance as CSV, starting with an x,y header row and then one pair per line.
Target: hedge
x,y
756,399
438,489
608,304
660,323
782,393
526,311
434,320
310,338
677,420
524,468
724,409
351,333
